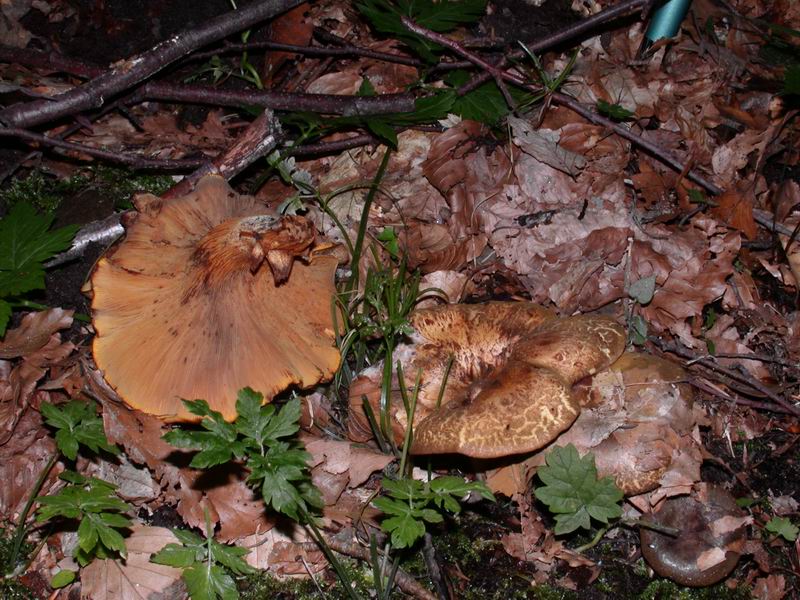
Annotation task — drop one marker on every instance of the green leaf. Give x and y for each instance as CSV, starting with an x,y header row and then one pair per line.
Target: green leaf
x,y
791,80
383,131
573,492
438,16
615,111
174,555
485,103
638,330
5,315
783,527
77,424
25,243
388,237
642,290
63,578
198,582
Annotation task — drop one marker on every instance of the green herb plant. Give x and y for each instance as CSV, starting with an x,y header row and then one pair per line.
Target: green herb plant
x,y
90,502
26,243
577,497
262,439
205,563
783,527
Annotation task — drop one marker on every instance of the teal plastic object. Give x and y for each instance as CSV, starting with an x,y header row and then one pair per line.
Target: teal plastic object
x,y
666,21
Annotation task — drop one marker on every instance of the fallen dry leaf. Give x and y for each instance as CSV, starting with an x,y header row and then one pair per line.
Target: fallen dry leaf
x,y
135,578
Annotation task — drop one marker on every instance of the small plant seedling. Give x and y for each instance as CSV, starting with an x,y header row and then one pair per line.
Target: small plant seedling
x,y
615,111
409,504
26,242
91,502
573,493
206,564
783,527
278,466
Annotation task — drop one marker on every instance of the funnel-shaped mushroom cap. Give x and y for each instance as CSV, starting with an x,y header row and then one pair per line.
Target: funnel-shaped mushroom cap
x,y
184,307
525,401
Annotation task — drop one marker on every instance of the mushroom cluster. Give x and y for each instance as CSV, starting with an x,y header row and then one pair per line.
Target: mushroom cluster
x,y
209,293
509,387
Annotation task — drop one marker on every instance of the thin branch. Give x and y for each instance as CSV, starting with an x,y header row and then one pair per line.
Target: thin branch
x,y
131,160
52,61
564,100
559,37
711,364
128,73
261,137
709,388
318,103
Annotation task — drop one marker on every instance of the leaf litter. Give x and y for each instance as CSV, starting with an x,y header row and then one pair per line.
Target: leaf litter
x,y
572,217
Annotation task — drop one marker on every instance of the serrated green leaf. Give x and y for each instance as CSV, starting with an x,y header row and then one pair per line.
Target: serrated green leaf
x,y
485,103
783,527
232,557
383,131
174,555
63,578
438,16
573,492
642,290
198,582
87,534
25,243
285,423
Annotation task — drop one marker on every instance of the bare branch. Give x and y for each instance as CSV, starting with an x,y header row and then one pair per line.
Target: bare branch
x,y
128,73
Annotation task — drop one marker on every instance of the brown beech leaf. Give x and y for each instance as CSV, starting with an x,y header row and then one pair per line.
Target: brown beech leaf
x,y
136,578
736,209
34,332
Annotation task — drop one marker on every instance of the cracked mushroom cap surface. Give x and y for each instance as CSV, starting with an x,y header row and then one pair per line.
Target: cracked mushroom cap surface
x,y
524,400
207,294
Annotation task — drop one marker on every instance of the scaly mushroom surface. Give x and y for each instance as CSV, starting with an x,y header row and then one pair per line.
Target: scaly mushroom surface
x,y
509,386
184,307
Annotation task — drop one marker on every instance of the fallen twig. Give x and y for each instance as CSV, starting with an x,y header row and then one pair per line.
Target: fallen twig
x,y
132,160
128,73
318,103
710,363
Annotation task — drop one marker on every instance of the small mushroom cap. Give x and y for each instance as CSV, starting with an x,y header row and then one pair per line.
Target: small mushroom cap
x,y
184,307
710,524
524,400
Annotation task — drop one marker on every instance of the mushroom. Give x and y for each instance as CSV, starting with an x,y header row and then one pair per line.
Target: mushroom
x,y
184,307
711,538
509,387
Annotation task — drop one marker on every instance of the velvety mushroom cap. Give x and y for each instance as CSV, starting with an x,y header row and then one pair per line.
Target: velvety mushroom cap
x,y
524,399
185,307
711,532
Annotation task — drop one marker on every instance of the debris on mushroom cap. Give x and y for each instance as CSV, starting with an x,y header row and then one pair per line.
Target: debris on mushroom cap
x,y
509,387
184,308
712,535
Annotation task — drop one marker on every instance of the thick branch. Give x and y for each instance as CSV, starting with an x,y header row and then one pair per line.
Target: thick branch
x,y
128,73
131,160
318,103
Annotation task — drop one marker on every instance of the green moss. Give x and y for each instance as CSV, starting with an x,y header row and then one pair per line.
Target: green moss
x,y
661,589
47,193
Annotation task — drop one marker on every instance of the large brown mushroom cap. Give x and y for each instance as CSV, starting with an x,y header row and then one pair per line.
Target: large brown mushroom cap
x,y
509,386
525,400
184,308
